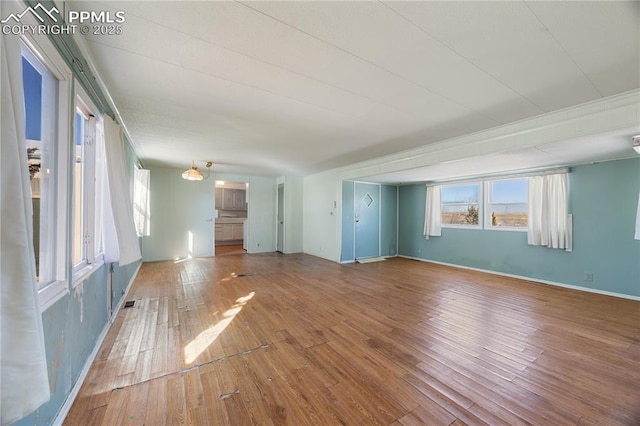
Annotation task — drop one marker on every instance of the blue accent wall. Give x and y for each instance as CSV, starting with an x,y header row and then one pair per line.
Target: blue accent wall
x,y
388,220
602,198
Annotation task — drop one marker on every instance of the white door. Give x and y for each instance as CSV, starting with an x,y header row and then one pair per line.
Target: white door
x,y
280,240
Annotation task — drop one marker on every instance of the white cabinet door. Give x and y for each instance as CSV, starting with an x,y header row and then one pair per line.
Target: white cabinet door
x,y
227,232
236,231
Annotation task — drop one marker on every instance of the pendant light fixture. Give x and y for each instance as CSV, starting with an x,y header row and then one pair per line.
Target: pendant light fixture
x,y
636,143
194,174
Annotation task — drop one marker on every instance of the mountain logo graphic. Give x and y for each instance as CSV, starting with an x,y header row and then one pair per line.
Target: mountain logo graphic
x,y
34,11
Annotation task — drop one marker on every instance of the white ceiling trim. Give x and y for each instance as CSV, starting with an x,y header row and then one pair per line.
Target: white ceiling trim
x,y
620,112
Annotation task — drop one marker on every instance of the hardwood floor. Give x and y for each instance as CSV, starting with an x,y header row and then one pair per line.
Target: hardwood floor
x,y
234,249
273,339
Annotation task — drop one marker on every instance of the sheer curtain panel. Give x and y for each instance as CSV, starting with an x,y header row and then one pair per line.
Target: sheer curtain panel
x,y
548,220
433,213
122,245
23,364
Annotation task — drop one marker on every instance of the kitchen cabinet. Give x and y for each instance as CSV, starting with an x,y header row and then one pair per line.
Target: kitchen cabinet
x,y
226,232
239,199
219,197
237,231
231,199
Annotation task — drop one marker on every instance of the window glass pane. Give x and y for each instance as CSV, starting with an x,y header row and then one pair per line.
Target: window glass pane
x,y
507,203
460,193
509,191
39,157
32,84
460,204
460,214
32,90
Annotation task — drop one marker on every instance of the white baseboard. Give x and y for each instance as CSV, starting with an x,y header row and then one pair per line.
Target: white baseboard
x,y
537,280
66,407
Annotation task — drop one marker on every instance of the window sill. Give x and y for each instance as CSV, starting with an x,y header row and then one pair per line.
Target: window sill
x,y
504,228
85,272
51,293
478,227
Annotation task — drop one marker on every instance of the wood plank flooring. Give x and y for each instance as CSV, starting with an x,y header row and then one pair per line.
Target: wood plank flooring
x,y
292,339
233,249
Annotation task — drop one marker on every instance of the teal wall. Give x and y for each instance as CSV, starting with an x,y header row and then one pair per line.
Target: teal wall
x,y
602,198
388,220
71,329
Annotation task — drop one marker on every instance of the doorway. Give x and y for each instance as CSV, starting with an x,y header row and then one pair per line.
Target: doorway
x,y
280,231
366,204
231,220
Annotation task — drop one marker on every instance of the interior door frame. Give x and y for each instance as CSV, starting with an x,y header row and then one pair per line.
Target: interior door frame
x,y
280,218
217,212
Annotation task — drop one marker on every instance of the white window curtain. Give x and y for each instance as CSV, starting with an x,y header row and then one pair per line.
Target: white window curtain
x,y
548,219
23,364
141,207
637,237
433,213
120,240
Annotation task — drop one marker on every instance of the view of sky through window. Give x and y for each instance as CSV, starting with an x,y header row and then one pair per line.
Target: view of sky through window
x,y
32,84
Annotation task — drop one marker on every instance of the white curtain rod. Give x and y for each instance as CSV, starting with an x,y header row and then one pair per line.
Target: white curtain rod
x,y
517,174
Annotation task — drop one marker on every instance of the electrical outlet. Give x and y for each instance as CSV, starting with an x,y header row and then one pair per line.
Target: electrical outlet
x,y
588,276
419,251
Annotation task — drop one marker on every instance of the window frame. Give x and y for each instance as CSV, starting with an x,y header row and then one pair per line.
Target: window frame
x,y
479,203
38,47
487,202
90,259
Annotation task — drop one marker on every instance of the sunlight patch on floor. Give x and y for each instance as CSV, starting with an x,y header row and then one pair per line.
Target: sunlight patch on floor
x,y
207,337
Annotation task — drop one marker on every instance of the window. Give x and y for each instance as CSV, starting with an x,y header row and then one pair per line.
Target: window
x,y
39,87
461,205
507,204
87,201
141,207
46,90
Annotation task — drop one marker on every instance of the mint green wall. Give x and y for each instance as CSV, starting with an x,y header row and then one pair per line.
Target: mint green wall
x,y
293,196
262,196
603,199
179,207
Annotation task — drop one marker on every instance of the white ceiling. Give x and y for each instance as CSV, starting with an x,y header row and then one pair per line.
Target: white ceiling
x,y
277,88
